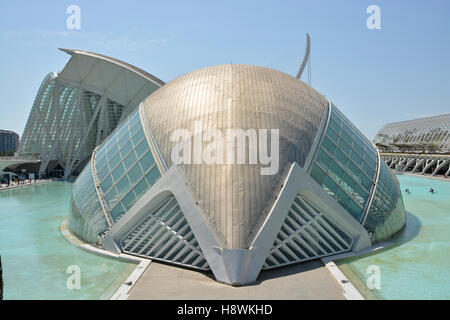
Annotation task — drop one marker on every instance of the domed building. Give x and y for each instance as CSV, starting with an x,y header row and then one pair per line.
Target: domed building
x,y
235,169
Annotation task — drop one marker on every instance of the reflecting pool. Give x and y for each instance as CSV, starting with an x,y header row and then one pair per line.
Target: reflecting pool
x,y
418,266
36,257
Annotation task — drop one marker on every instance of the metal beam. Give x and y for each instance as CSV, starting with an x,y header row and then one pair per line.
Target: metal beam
x,y
305,58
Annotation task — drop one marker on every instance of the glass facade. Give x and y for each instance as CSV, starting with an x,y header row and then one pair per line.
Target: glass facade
x,y
345,165
125,167
86,217
43,130
386,214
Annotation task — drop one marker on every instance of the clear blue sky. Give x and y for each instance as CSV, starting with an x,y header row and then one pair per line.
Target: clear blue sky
x,y
374,76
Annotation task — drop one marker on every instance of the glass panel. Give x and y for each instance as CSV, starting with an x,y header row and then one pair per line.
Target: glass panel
x,y
355,210
386,214
147,161
341,157
343,176
330,184
123,186
112,198
358,149
135,174
153,176
348,183
113,150
138,137
344,146
86,217
126,149
346,137
101,152
134,119
336,172
328,145
366,182
141,188
361,192
99,163
357,159
102,173
141,148
115,184
323,158
135,129
317,174
118,172
114,161
123,134
346,129
106,184
130,160
117,212
332,135
124,139
129,200
334,126
342,198
354,170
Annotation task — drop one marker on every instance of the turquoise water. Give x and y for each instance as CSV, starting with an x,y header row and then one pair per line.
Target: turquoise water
x,y
419,266
35,256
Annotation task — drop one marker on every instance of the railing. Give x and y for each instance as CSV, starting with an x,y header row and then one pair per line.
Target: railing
x,y
19,159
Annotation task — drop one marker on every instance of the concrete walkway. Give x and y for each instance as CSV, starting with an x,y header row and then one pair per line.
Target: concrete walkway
x,y
310,280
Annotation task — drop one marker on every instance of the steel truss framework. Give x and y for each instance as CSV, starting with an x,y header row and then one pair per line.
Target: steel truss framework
x,y
426,135
436,165
75,110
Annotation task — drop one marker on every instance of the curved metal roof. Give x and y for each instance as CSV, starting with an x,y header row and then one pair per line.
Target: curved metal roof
x,y
122,82
141,72
237,197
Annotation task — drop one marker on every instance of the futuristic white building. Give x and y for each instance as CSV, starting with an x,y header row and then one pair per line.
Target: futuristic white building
x,y
77,108
330,194
419,146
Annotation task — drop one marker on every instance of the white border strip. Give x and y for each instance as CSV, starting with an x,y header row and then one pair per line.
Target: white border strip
x,y
123,292
350,292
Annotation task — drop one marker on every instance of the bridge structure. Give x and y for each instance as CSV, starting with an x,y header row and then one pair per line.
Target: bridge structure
x,y
434,164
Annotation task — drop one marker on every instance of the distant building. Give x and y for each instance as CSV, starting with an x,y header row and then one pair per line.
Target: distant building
x,y
419,146
9,141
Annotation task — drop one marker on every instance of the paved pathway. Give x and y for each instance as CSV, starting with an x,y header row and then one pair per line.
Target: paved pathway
x,y
310,280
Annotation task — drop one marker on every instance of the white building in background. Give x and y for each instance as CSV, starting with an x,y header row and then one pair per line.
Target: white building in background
x,y
77,108
420,146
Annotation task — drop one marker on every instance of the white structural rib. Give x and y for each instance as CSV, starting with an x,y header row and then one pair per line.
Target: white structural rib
x,y
306,234
165,235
